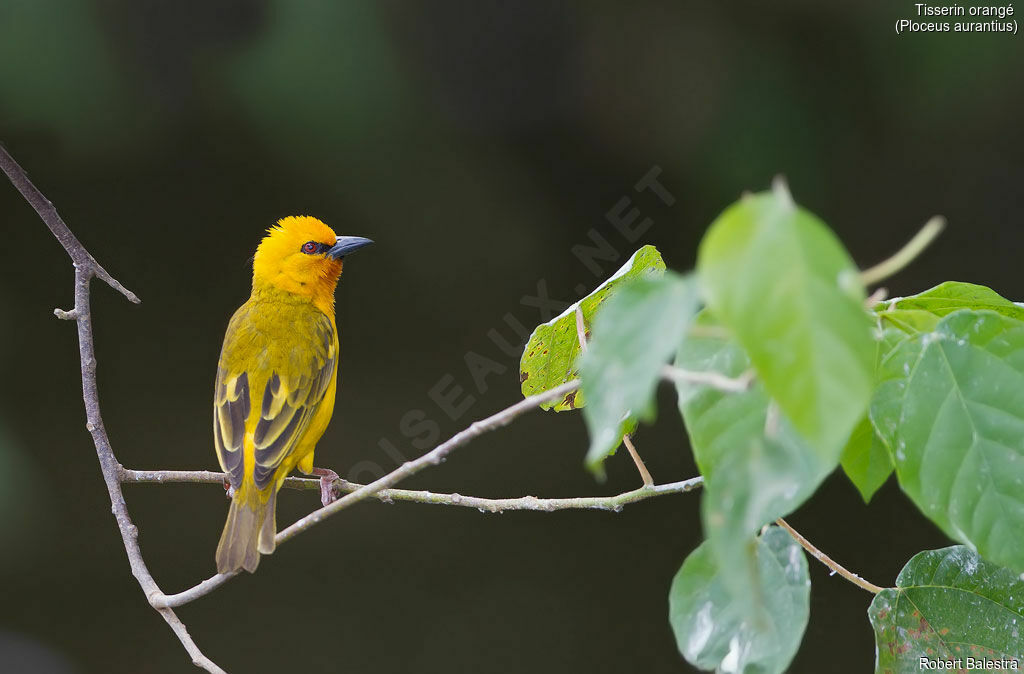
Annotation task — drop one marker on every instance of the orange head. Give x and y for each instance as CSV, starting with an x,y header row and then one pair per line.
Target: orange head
x,y
303,256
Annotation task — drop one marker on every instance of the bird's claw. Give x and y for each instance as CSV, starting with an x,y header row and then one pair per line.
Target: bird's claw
x,y
327,479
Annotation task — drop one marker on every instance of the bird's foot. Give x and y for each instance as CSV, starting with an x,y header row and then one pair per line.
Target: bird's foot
x,y
229,491
327,479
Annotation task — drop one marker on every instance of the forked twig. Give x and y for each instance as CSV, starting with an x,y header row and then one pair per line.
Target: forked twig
x,y
87,267
487,505
484,505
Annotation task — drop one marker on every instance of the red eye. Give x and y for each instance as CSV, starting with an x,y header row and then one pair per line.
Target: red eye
x,y
309,247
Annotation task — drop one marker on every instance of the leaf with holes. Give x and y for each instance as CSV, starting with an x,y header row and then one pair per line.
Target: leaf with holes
x,y
715,632
634,336
949,604
951,409
549,358
781,282
921,312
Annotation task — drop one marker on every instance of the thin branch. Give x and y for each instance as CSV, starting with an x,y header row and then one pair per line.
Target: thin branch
x,y
199,477
905,255
48,214
85,268
195,592
489,505
828,561
715,380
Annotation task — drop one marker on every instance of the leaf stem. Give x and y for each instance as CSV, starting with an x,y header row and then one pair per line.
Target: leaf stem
x,y
581,330
905,255
645,474
581,337
828,561
715,380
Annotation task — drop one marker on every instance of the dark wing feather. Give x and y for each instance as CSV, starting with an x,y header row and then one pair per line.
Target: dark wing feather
x,y
231,407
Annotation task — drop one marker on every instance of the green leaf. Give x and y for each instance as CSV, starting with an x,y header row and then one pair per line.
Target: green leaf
x,y
921,312
549,358
781,282
755,466
866,460
949,604
634,336
715,632
951,409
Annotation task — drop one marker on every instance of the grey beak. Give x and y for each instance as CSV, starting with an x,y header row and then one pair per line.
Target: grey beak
x,y
346,245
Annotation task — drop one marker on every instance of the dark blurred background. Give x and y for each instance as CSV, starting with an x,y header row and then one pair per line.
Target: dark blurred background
x,y
477,143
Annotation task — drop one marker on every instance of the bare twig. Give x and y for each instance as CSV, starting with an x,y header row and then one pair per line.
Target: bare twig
x,y
79,255
486,505
715,380
489,505
828,561
906,254
85,268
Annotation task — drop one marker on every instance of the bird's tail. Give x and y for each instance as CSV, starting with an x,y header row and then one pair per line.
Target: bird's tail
x,y
249,531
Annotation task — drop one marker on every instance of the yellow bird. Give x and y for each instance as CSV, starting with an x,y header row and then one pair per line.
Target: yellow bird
x,y
276,380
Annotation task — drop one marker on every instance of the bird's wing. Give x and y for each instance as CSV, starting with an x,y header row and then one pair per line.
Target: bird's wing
x,y
231,407
298,381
